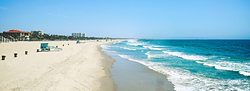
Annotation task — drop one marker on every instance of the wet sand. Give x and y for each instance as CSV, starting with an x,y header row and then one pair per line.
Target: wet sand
x,y
132,76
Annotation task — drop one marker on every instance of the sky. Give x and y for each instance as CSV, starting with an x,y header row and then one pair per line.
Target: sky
x,y
151,19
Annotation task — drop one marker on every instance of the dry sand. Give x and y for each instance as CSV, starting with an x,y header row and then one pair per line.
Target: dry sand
x,y
82,67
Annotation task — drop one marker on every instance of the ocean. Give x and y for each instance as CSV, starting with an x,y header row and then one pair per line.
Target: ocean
x,y
191,64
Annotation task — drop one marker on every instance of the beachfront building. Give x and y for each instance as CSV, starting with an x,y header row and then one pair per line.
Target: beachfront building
x,y
37,32
78,35
19,34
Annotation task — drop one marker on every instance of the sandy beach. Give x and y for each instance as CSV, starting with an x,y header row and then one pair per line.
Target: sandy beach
x,y
78,67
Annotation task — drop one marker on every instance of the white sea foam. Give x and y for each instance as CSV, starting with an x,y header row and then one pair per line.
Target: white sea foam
x,y
223,68
199,62
158,46
127,48
104,46
150,47
244,73
134,43
243,69
155,48
185,81
124,56
188,57
155,55
147,53
133,40
207,64
247,63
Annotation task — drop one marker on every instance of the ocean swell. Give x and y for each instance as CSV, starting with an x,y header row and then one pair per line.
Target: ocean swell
x,y
188,57
186,81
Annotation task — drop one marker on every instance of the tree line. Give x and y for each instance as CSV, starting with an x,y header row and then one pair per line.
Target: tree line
x,y
50,37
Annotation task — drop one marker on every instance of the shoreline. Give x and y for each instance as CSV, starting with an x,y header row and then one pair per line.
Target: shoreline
x,y
133,76
76,67
107,63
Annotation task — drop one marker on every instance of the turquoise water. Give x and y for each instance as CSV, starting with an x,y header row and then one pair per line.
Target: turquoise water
x,y
192,64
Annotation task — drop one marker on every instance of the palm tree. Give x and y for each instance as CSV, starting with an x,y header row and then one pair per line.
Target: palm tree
x,y
22,38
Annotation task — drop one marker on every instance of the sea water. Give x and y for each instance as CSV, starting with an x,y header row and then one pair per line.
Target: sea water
x,y
192,64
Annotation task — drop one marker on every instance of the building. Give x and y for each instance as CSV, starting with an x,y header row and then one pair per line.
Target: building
x,y
78,35
37,32
18,33
23,35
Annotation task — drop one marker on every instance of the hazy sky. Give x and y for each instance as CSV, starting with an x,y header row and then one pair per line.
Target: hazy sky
x,y
130,18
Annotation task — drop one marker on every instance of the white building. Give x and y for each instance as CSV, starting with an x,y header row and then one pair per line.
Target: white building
x,y
78,34
37,32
